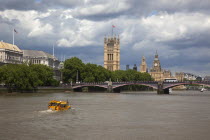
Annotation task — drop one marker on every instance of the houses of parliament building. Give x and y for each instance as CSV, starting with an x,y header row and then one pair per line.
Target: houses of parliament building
x,y
112,60
156,71
112,53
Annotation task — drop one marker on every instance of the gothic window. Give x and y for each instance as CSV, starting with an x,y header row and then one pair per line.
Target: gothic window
x,y
111,44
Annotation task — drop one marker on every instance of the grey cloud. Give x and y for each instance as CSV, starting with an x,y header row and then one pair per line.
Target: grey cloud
x,y
136,8
200,40
146,7
142,8
180,53
42,5
63,4
19,5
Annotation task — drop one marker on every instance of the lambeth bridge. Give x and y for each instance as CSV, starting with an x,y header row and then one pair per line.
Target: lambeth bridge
x,y
161,87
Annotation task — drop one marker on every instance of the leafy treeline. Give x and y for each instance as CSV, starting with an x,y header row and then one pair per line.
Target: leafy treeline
x,y
95,73
22,77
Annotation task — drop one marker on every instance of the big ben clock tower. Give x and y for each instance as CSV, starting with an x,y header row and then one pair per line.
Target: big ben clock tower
x,y
156,64
156,72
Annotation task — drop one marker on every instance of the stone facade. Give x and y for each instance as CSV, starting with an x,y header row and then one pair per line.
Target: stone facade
x,y
167,74
157,73
112,53
10,54
180,76
143,66
40,57
207,78
190,76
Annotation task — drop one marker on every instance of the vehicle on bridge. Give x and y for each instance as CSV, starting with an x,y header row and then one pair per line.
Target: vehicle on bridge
x,y
170,80
58,105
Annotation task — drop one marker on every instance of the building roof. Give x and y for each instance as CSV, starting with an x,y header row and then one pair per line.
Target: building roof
x,y
8,46
36,54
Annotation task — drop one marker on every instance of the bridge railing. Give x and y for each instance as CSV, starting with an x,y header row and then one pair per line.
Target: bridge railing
x,y
134,82
139,82
92,83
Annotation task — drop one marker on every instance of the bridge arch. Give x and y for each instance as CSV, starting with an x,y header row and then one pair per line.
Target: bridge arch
x,y
178,84
128,84
87,85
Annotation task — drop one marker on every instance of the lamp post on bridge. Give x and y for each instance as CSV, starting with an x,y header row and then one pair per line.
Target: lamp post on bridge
x,y
77,77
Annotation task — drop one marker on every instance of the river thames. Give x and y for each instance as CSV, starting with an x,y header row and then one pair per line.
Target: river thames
x,y
182,115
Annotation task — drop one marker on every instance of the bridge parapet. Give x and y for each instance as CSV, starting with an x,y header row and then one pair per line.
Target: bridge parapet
x,y
152,84
161,86
173,84
84,84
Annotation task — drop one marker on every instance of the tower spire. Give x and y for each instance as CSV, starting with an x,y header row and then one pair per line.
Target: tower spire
x,y
156,54
143,66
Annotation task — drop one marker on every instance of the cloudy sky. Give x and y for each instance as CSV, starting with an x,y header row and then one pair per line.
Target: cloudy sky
x,y
179,30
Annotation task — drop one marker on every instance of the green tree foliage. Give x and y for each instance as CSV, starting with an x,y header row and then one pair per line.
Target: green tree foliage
x,y
71,67
130,75
25,78
44,73
95,73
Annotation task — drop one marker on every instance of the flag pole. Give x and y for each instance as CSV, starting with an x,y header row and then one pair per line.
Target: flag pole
x,y
53,49
53,56
13,37
112,30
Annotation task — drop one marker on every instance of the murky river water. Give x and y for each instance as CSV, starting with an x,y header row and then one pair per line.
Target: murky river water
x,y
107,116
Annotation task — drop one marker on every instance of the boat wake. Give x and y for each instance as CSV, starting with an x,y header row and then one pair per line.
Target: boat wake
x,y
47,111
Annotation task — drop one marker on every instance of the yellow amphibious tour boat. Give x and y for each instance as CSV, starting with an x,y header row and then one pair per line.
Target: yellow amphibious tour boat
x,y
58,105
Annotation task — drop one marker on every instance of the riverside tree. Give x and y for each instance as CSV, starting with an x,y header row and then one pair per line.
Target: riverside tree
x,y
45,74
71,68
22,77
96,73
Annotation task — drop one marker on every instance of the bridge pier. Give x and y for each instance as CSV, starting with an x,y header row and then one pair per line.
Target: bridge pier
x,y
109,89
166,91
160,89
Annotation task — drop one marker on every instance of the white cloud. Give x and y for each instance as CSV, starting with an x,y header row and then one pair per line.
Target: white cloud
x,y
166,27
108,7
29,21
87,24
40,30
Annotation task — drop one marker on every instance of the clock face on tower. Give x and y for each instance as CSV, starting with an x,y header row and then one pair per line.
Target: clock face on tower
x,y
155,64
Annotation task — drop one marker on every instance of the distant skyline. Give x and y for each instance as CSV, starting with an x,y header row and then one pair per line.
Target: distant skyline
x,y
179,30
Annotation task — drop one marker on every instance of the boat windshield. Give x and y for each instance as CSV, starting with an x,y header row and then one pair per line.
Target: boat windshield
x,y
53,104
63,105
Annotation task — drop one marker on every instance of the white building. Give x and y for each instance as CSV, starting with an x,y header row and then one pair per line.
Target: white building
x,y
10,54
190,76
40,57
